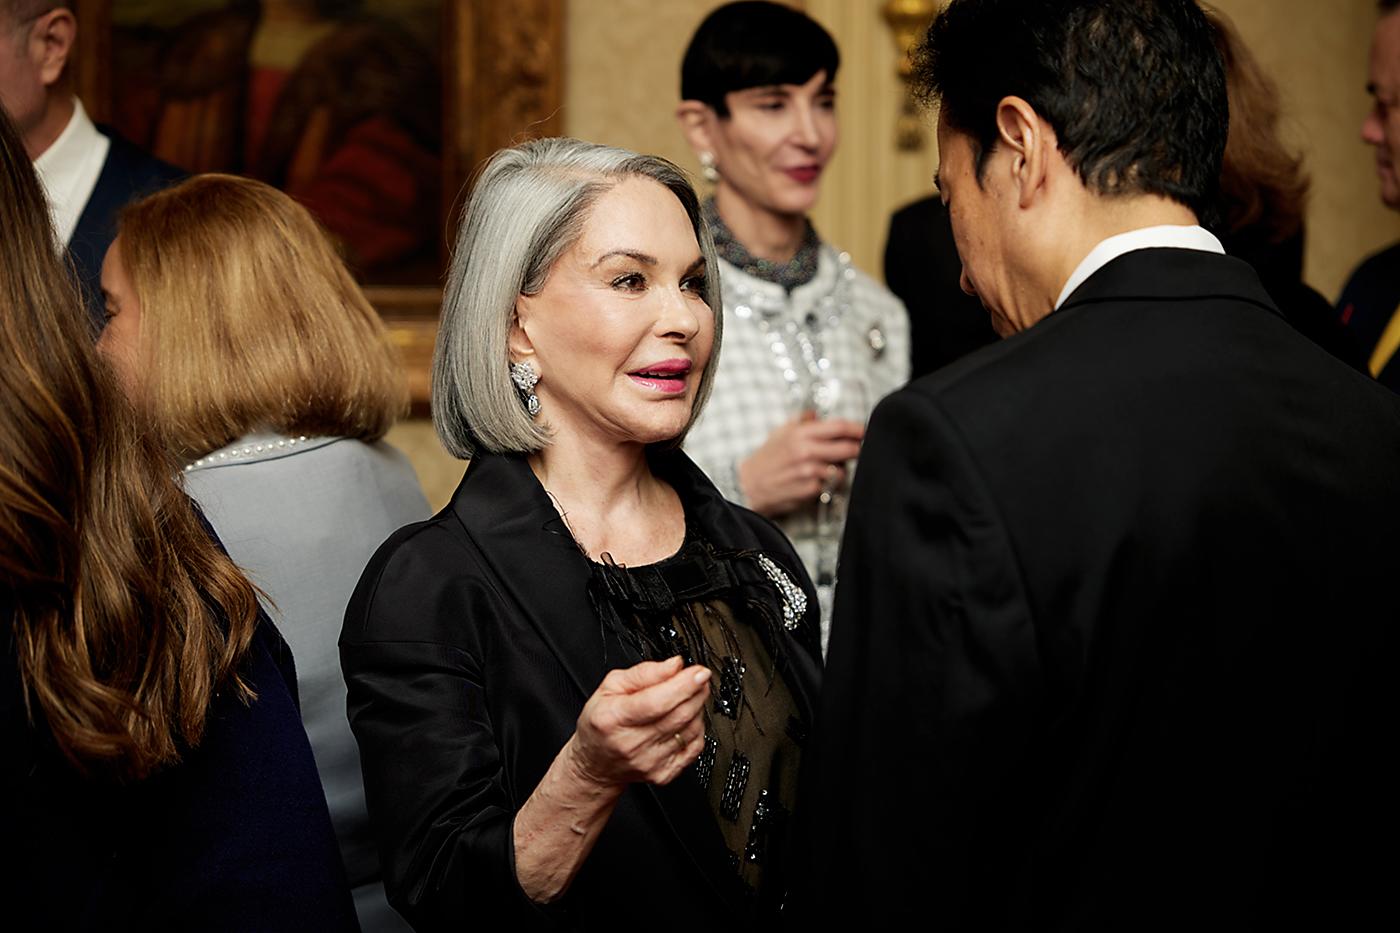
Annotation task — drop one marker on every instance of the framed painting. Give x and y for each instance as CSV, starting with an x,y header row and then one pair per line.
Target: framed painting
x,y
372,113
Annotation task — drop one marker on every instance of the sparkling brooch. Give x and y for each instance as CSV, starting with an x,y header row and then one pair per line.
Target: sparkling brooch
x,y
794,600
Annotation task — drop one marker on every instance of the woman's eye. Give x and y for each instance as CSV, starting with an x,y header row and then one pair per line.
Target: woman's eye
x,y
695,283
632,282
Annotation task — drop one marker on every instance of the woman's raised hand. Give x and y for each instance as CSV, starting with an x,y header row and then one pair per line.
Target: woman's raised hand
x,y
797,461
643,723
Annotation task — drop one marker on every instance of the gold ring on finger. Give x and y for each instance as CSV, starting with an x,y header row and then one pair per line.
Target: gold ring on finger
x,y
680,742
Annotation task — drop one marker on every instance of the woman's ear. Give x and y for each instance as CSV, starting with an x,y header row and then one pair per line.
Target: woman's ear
x,y
518,341
696,121
1026,137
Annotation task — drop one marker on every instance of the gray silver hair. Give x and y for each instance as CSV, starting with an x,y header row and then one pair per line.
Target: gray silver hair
x,y
529,206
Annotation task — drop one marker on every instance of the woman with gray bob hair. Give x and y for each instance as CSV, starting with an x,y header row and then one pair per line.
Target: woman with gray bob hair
x,y
581,690
527,208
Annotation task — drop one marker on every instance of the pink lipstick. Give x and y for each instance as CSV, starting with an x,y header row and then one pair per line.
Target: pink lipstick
x,y
666,377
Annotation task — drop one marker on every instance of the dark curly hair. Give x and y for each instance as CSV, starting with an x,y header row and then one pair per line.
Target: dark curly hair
x,y
1134,89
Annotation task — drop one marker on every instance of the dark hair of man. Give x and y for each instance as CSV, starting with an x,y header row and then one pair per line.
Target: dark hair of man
x,y
754,43
1388,5
1134,89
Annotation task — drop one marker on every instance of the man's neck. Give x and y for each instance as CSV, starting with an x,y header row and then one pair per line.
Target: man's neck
x,y
58,112
764,233
1102,218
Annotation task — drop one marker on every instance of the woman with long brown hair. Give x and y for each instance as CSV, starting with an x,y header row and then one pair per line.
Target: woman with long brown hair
x,y
154,770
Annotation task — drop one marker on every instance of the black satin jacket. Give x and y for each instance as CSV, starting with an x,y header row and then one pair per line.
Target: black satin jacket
x,y
470,647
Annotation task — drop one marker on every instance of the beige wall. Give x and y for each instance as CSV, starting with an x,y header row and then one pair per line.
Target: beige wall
x,y
622,81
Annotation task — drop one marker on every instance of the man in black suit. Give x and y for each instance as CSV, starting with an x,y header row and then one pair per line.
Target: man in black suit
x,y
89,173
1112,641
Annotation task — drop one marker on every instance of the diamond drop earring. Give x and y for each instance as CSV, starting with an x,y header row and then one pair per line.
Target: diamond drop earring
x,y
524,376
708,168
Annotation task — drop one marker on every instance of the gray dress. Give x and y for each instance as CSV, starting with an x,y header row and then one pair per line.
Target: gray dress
x,y
302,517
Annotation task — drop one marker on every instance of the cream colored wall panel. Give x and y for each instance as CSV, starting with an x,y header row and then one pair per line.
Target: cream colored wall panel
x,y
438,472
624,72
869,177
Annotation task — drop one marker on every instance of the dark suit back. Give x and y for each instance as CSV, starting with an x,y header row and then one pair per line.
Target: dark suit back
x,y
127,174
1109,632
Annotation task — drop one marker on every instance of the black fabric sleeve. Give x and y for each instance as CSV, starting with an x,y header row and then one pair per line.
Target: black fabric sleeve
x,y
931,682
434,776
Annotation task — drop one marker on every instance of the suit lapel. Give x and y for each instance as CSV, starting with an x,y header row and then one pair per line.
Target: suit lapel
x,y
533,557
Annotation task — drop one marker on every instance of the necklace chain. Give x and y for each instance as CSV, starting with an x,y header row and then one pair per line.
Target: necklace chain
x,y
799,345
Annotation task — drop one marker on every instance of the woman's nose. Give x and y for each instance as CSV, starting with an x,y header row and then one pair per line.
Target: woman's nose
x,y
805,132
678,317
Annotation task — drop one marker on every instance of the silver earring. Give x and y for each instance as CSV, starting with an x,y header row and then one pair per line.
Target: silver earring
x,y
707,167
524,376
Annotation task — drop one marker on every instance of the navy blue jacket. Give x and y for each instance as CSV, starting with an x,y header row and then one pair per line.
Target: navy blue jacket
x,y
127,174
235,838
1368,302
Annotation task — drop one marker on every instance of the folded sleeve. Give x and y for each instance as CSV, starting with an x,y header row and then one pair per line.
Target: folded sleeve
x,y
434,778
932,676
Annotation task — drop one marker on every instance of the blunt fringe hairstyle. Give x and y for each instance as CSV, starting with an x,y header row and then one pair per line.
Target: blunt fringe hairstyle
x,y
528,207
250,320
754,43
124,616
1134,89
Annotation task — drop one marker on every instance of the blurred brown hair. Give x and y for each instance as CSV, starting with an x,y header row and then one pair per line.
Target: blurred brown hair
x,y
250,320
126,617
1262,184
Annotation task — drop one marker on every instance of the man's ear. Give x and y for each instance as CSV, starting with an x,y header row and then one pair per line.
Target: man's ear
x,y
696,120
1031,142
51,42
518,341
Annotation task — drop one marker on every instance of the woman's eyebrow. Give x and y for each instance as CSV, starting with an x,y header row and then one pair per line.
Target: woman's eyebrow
x,y
641,257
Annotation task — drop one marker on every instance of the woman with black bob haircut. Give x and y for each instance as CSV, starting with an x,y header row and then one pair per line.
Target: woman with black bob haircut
x,y
581,691
811,342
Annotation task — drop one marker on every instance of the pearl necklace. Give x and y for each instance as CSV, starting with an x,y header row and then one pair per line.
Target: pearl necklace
x,y
248,450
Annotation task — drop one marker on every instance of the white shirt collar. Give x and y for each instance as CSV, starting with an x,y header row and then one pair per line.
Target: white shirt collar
x,y
69,170
1167,235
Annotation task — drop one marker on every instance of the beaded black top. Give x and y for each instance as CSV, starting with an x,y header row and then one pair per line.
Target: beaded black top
x,y
693,604
799,270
